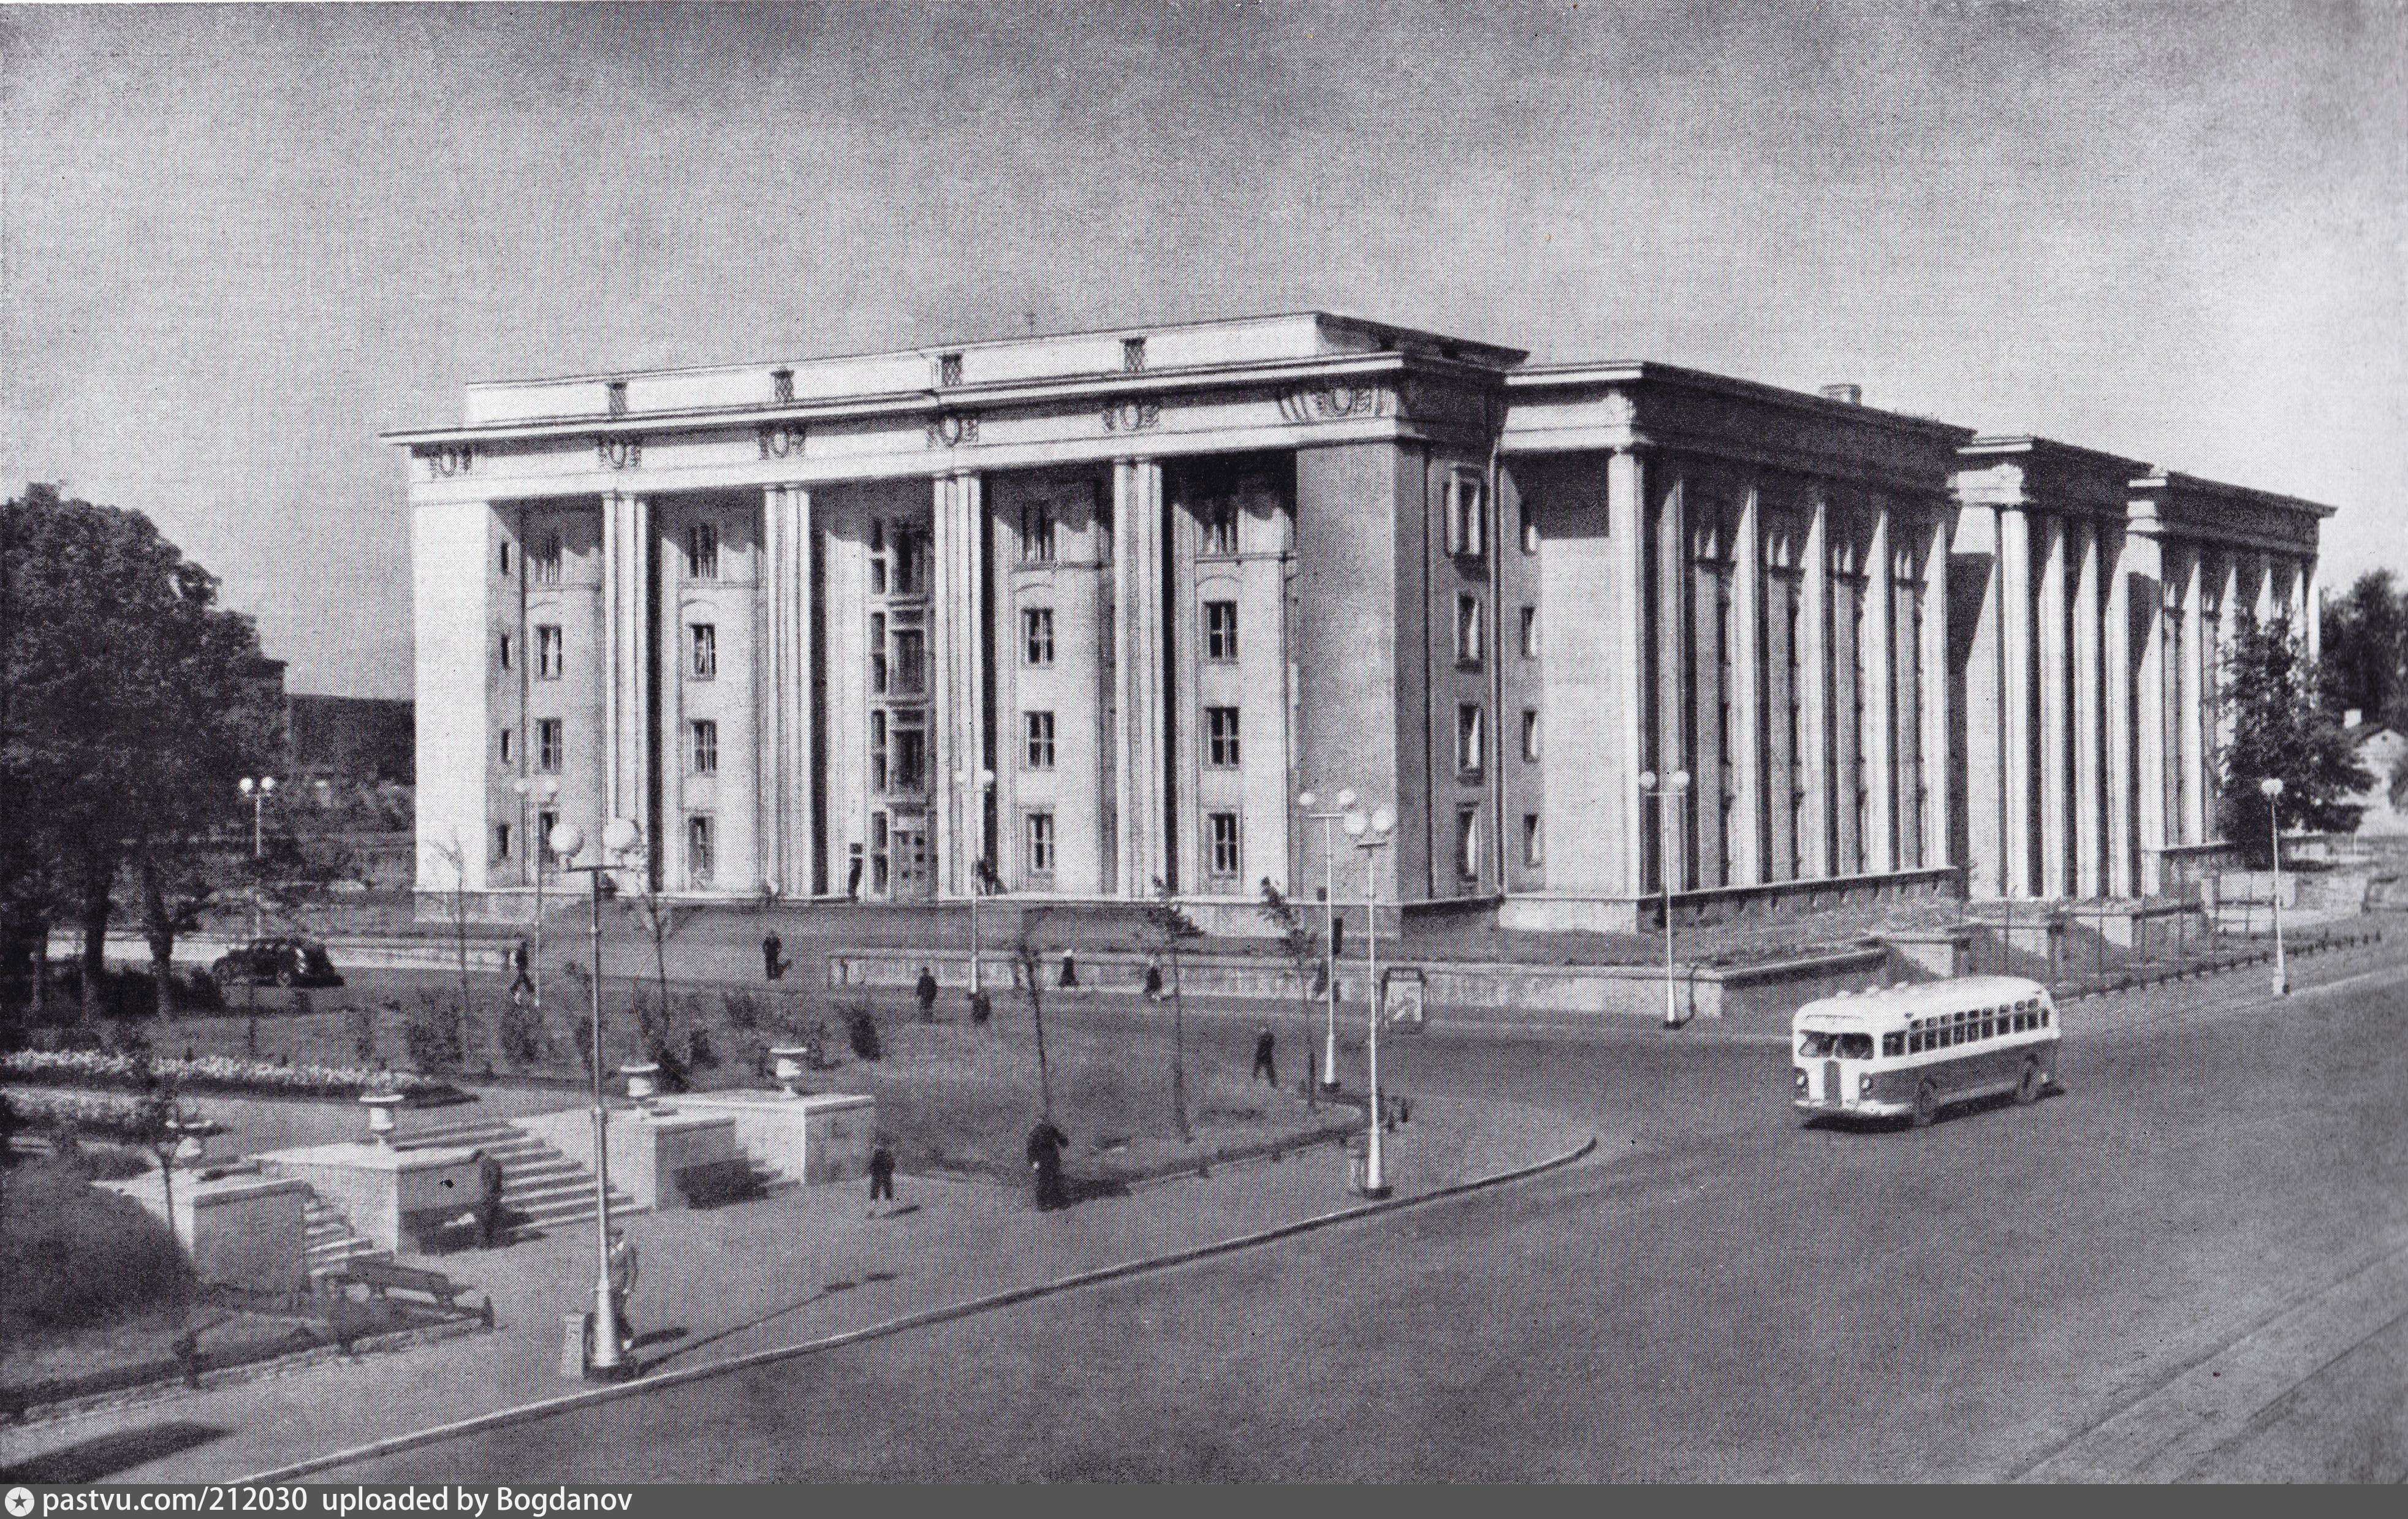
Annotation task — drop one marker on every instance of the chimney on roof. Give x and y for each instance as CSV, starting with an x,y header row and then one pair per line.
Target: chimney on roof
x,y
1849,395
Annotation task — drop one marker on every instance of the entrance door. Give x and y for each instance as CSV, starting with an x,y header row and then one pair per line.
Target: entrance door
x,y
914,881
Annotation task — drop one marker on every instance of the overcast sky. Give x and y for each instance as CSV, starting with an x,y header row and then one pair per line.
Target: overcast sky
x,y
239,243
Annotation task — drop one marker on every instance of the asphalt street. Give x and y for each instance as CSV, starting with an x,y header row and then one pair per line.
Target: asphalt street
x,y
1736,1297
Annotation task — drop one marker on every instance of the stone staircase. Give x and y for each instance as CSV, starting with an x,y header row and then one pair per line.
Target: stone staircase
x,y
330,1239
543,1188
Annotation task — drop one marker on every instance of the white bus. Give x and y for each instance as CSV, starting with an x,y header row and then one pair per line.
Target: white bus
x,y
1908,1050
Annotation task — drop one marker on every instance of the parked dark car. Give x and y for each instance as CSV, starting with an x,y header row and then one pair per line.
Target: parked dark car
x,y
286,962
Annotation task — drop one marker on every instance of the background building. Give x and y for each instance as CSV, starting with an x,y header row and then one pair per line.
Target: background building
x,y
1093,610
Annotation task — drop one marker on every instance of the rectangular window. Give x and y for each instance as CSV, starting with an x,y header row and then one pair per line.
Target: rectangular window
x,y
878,752
1039,831
1529,515
878,838
910,671
1221,737
546,823
543,566
877,556
704,734
1467,625
507,746
1224,830
501,842
1529,733
1219,520
910,751
1463,516
702,550
1534,844
547,746
1037,635
1470,739
702,645
547,652
878,654
1036,533
1038,727
502,652
911,563
1893,1045
1529,633
701,850
506,559
1221,630
1467,842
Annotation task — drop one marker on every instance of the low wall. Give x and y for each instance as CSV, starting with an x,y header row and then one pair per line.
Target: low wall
x,y
811,1140
661,1160
244,1228
399,1199
1561,913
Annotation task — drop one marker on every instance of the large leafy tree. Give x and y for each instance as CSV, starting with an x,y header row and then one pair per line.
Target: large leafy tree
x,y
2365,655
133,702
2280,731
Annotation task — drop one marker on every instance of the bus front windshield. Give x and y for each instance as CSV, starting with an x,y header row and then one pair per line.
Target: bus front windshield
x,y
1814,1044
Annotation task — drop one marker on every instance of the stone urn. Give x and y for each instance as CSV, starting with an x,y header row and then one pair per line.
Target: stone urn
x,y
643,1083
787,1065
192,1142
380,1105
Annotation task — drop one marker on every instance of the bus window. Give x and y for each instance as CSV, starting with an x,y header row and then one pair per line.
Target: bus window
x,y
1856,1046
1893,1044
1815,1045
2043,1017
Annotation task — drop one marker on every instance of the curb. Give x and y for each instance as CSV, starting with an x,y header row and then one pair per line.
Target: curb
x,y
924,1319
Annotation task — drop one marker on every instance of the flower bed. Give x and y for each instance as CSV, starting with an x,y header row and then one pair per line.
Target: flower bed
x,y
211,1073
98,1115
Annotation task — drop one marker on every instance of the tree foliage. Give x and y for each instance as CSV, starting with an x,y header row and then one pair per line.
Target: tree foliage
x,y
132,702
2280,731
2365,653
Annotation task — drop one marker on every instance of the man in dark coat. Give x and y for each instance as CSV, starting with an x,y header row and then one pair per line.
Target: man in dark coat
x,y
1045,1145
488,1201
882,1172
773,961
1265,1056
927,992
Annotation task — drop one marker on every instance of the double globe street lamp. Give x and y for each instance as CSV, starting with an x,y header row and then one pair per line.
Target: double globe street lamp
x,y
1328,820
620,839
2271,789
540,795
1667,790
1371,833
257,791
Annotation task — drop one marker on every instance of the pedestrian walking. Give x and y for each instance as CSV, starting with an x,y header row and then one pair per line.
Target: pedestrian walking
x,y
1069,971
927,992
1266,1057
1045,1146
1153,981
981,1007
488,1201
623,1269
520,963
773,957
882,1172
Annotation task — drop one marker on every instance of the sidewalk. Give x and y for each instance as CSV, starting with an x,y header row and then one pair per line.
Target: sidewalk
x,y
797,1266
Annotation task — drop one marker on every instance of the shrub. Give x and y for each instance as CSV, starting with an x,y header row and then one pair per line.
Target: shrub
x,y
432,1036
744,1010
699,1053
861,1030
522,1032
360,1030
79,1258
197,991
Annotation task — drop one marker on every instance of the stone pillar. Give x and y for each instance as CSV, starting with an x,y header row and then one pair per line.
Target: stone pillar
x,y
1876,630
2055,720
2149,569
626,558
1748,819
1673,659
786,825
1939,727
2015,705
2312,608
2123,873
1815,702
2089,721
958,636
1625,511
2267,604
2196,781
1139,744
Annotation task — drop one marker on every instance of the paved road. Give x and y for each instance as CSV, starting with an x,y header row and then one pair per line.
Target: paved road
x,y
1738,1298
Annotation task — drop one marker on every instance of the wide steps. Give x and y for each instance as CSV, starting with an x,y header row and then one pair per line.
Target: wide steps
x,y
541,1186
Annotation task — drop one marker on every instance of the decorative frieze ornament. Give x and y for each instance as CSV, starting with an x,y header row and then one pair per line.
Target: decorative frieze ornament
x,y
1619,409
1132,416
619,452
1327,402
446,460
950,429
779,439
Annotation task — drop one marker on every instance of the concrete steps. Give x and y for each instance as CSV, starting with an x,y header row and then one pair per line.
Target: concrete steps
x,y
329,1238
542,1189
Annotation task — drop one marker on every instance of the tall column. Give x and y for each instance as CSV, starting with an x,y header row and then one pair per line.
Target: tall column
x,y
2196,675
1814,701
786,825
1748,821
2123,866
2267,604
2311,610
1626,513
2089,721
2015,707
1879,716
2055,721
1139,753
961,681
2149,572
1938,727
626,557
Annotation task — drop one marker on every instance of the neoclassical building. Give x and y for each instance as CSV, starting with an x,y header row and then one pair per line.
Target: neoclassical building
x,y
1081,615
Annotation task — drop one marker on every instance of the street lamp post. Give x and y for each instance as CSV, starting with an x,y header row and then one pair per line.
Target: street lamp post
x,y
1345,800
978,866
542,796
2271,789
618,839
1371,834
1666,793
258,791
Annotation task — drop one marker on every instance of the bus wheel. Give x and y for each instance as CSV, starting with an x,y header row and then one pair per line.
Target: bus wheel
x,y
2027,1089
1927,1104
